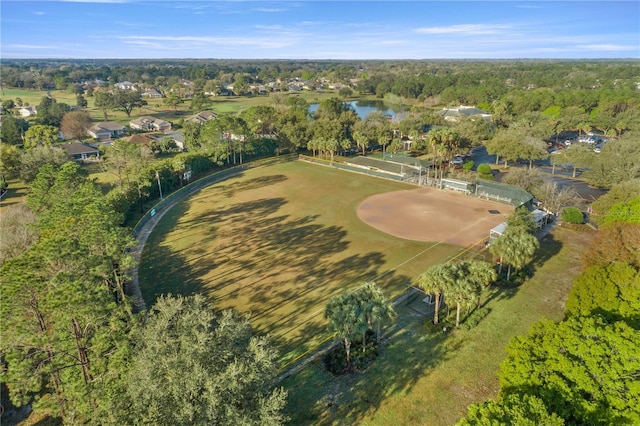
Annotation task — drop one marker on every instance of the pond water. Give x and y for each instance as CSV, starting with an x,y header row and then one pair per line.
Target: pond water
x,y
364,108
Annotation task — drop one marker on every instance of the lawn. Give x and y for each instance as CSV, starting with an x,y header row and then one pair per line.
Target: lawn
x,y
155,107
430,379
16,193
278,242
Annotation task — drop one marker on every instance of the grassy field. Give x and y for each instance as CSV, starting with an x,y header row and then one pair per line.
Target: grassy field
x,y
279,241
16,193
156,108
430,379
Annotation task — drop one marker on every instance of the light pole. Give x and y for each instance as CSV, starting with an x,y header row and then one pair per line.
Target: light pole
x,y
159,186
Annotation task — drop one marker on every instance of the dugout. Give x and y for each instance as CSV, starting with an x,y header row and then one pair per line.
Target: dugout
x,y
497,231
504,193
456,185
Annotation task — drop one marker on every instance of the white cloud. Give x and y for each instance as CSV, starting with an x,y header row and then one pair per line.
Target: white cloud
x,y
465,29
608,47
268,10
38,13
192,41
268,27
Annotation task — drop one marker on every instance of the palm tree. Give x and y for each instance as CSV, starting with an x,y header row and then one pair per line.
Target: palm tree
x,y
469,279
438,279
477,274
516,248
341,311
374,308
445,140
462,293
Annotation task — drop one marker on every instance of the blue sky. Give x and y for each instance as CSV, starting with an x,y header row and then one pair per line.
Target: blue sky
x,y
319,29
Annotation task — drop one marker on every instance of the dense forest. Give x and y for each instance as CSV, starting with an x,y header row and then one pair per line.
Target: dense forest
x,y
73,346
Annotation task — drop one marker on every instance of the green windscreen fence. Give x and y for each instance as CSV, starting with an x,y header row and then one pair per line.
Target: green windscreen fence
x,y
503,193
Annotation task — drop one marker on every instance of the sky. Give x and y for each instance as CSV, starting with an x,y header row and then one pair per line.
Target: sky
x,y
320,29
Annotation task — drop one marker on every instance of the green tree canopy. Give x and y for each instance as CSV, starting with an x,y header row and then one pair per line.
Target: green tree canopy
x,y
33,160
40,135
584,369
126,101
612,291
619,193
191,366
12,130
516,410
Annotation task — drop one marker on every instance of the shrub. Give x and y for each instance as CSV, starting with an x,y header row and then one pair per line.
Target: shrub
x,y
572,215
484,169
469,165
485,172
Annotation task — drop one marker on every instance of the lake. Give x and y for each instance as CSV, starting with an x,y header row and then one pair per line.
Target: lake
x,y
364,108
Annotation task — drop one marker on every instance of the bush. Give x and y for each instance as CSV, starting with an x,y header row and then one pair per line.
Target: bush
x,y
572,215
485,172
468,166
484,169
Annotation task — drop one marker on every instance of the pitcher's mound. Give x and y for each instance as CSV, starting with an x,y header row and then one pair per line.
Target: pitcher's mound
x,y
427,214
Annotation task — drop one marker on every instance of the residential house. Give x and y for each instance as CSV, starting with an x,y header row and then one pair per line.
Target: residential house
x,y
151,94
125,85
27,111
177,137
455,114
81,151
106,130
139,139
150,124
202,117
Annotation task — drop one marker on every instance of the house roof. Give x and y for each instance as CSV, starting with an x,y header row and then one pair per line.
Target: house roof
x,y
462,110
177,136
76,147
110,125
147,119
141,139
203,116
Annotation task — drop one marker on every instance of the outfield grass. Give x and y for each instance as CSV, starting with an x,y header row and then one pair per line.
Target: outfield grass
x,y
430,379
279,241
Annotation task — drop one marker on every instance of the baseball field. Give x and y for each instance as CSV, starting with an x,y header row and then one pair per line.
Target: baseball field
x,y
279,241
